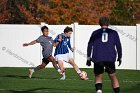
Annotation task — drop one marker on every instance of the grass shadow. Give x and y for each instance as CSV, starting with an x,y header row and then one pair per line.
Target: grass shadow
x,y
49,90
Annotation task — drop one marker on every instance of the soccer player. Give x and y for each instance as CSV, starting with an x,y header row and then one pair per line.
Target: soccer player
x,y
63,49
104,45
47,44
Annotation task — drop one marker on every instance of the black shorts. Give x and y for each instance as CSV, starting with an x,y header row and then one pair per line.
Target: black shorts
x,y
100,67
45,60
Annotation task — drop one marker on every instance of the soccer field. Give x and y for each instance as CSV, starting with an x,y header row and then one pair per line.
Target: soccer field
x,y
15,80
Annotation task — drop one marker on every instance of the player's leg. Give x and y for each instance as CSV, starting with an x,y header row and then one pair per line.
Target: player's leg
x,y
61,65
98,83
71,61
98,71
110,69
115,83
60,59
39,67
52,59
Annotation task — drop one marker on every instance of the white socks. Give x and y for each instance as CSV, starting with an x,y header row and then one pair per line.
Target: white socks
x,y
59,70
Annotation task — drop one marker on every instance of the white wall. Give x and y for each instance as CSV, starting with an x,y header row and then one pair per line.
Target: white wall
x,y
12,54
128,39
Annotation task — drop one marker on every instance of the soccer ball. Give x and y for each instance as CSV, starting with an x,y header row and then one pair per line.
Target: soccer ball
x,y
83,75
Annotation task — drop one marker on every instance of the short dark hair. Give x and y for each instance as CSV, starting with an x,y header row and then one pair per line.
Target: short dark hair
x,y
44,27
68,29
104,21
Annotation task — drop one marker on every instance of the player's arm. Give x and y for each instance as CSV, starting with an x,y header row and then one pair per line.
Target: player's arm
x,y
119,48
56,43
90,45
57,40
31,43
69,45
89,50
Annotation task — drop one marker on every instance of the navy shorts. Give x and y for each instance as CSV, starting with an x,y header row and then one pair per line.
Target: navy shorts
x,y
100,67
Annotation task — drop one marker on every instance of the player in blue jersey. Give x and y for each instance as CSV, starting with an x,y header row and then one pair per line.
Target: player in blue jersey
x,y
47,44
103,48
62,52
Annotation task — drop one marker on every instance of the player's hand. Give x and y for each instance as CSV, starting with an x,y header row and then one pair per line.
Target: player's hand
x,y
88,63
59,38
72,49
25,44
120,61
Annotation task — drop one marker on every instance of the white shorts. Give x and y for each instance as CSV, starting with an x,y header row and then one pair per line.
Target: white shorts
x,y
64,57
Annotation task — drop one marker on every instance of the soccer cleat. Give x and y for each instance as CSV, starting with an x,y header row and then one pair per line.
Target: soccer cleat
x,y
63,77
31,71
99,91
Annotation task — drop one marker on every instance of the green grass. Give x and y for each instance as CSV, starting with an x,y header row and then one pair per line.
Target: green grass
x,y
15,80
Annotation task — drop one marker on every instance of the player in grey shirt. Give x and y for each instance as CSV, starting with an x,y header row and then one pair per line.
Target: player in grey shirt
x,y
47,44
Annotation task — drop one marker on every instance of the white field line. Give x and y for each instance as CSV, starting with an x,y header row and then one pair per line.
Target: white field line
x,y
125,81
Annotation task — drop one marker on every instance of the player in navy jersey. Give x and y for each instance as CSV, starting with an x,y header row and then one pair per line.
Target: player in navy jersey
x,y
63,51
103,48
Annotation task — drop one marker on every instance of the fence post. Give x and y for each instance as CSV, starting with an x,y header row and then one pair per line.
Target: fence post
x,y
75,28
42,24
138,47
